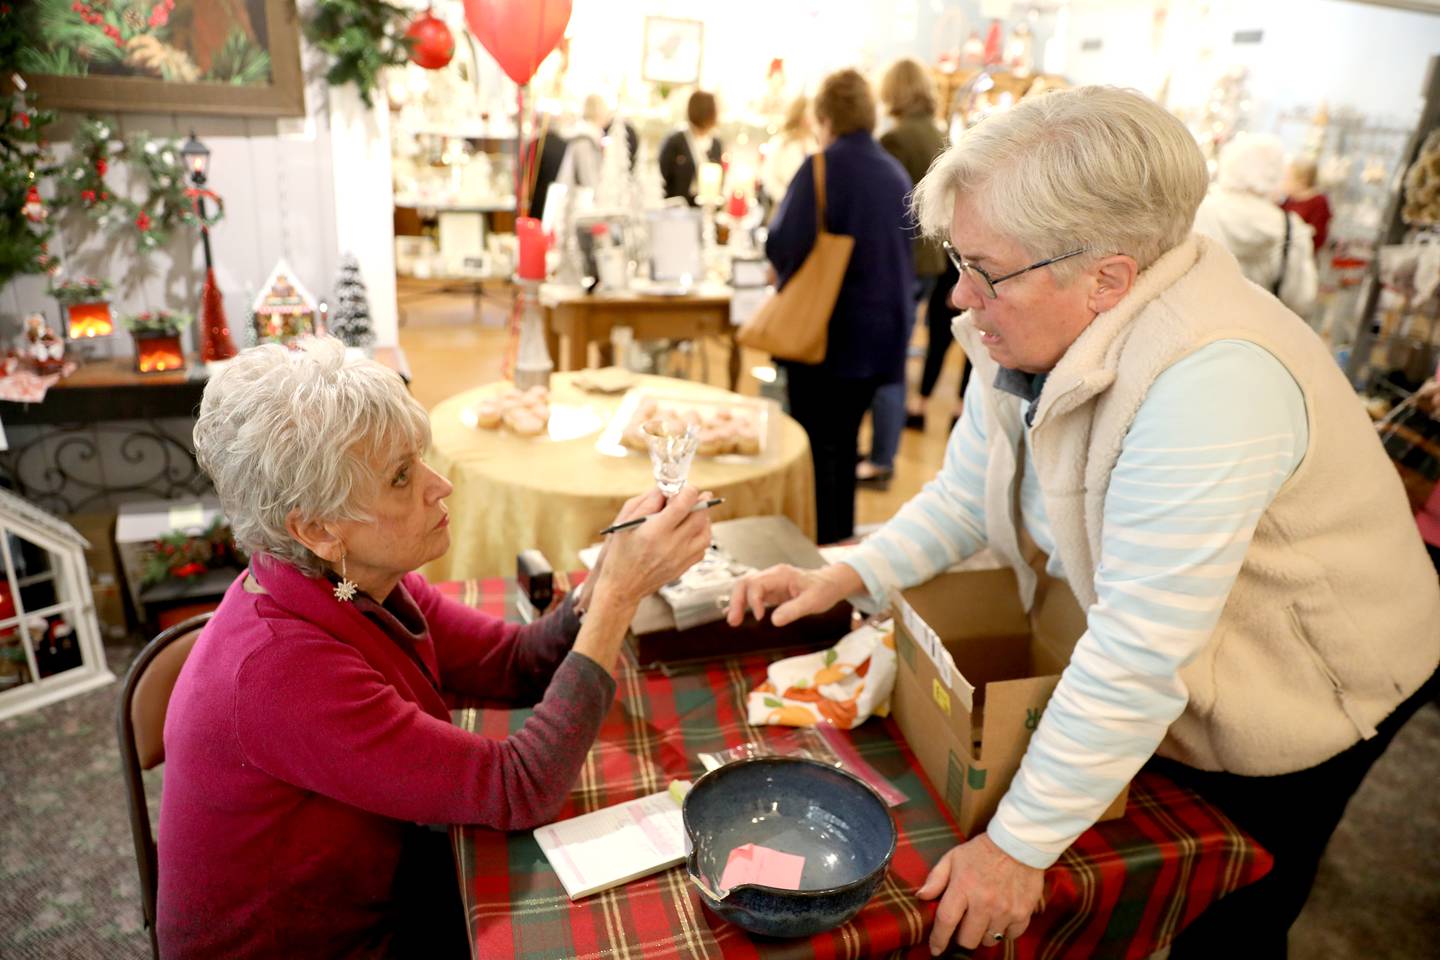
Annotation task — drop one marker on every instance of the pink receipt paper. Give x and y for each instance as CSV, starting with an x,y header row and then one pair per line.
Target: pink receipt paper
x,y
752,863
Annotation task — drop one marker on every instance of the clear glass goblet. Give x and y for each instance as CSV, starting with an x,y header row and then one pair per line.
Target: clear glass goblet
x,y
672,446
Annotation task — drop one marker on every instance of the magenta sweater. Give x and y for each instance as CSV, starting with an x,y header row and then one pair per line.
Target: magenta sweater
x,y
302,740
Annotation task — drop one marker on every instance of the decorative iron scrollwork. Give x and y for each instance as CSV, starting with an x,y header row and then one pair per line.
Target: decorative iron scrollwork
x,y
87,467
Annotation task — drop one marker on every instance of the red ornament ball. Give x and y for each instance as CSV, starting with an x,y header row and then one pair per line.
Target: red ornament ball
x,y
434,43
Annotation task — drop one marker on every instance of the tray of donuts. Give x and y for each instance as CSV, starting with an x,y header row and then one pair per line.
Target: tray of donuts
x,y
729,429
524,413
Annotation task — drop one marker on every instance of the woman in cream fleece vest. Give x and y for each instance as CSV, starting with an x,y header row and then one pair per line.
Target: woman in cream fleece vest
x,y
1261,613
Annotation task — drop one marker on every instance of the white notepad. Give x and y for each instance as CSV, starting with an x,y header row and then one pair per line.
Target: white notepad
x,y
603,849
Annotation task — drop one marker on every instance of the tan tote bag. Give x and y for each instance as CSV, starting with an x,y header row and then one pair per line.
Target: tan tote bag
x,y
794,323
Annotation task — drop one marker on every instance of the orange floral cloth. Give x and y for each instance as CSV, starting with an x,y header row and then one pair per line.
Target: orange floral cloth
x,y
844,685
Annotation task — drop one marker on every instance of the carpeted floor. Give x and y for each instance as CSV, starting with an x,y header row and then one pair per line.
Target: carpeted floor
x,y
69,888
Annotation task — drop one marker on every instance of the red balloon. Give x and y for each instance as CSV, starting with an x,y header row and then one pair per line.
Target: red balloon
x,y
518,33
434,43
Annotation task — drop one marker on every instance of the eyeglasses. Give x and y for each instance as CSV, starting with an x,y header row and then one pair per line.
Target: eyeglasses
x,y
987,282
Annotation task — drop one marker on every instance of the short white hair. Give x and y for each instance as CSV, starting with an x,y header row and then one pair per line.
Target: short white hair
x,y
1252,163
284,429
1096,168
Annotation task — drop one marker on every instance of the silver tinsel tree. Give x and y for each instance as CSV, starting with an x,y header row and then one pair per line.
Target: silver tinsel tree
x,y
350,320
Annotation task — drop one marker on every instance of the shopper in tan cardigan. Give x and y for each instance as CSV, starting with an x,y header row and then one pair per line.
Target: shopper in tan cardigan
x,y
1261,614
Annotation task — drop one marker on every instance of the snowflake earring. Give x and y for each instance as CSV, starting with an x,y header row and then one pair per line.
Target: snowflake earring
x,y
345,589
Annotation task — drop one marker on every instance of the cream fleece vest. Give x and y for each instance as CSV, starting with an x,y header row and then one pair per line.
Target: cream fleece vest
x,y
1334,618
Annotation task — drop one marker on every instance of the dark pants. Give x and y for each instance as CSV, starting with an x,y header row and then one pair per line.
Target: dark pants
x,y
1292,816
429,914
830,409
937,318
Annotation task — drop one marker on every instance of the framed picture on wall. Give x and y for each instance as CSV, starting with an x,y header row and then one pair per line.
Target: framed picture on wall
x,y
235,57
673,50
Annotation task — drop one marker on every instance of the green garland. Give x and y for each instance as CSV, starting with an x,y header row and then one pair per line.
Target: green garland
x,y
361,38
156,322
179,555
82,290
24,161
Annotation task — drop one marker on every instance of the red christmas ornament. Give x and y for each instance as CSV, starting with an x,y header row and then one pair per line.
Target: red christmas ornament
x,y
101,165
88,196
434,43
34,207
518,33
215,342
142,221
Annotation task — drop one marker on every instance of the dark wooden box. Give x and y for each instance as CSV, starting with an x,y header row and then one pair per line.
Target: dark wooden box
x,y
760,542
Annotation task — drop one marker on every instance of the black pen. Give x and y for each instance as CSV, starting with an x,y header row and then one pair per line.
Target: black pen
x,y
702,505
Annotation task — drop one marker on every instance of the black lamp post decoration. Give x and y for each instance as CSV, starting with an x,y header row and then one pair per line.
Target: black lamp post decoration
x,y
215,342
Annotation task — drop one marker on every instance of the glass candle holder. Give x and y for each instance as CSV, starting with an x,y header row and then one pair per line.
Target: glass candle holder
x,y
672,446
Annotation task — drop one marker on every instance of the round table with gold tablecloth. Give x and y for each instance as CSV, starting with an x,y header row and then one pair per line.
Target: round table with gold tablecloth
x,y
513,493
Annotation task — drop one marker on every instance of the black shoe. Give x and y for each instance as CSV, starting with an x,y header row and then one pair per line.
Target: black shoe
x,y
915,421
879,481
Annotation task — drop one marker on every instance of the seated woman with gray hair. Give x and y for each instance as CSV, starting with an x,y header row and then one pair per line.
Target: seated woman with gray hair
x,y
308,739
1261,616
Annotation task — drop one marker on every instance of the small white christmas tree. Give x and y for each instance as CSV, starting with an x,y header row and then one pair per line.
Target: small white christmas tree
x,y
350,321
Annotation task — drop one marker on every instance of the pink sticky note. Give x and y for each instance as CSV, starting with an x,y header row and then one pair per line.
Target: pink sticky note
x,y
752,863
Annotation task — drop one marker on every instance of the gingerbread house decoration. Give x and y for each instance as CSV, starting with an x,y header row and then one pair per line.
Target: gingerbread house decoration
x,y
284,309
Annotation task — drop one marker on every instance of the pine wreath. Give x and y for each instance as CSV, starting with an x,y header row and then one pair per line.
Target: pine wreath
x,y
81,183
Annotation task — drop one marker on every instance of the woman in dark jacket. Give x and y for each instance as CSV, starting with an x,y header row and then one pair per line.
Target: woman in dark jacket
x,y
684,150
915,140
866,191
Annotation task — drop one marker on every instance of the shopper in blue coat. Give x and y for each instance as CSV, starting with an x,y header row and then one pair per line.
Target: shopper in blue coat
x,y
865,191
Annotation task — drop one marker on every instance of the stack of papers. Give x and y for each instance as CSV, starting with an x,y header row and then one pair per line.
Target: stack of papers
x,y
603,849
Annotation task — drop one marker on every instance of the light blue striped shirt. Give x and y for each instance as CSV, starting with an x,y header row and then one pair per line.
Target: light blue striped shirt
x,y
1218,433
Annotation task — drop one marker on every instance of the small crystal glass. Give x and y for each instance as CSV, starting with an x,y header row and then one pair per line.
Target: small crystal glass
x,y
672,446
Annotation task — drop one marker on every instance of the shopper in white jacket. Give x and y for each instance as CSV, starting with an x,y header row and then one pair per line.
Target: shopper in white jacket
x,y
1242,211
1261,616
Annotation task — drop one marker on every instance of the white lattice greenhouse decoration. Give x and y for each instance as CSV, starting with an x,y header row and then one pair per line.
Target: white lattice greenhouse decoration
x,y
50,645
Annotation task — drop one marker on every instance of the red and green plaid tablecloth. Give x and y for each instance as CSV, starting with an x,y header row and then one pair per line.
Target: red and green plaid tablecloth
x,y
1123,890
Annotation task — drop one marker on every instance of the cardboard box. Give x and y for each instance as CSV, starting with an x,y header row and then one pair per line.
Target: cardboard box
x,y
99,530
975,673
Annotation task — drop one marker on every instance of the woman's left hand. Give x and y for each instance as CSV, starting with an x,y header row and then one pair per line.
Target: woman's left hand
x,y
986,892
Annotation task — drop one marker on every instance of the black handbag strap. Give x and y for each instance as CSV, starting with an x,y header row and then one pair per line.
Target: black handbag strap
x,y
1284,254
818,159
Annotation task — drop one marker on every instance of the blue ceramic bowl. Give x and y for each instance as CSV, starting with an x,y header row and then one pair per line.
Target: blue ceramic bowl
x,y
834,820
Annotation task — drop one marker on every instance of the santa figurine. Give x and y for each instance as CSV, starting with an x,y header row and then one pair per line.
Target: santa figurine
x,y
42,347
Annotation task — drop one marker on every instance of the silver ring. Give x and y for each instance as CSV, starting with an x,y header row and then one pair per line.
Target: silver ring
x,y
997,937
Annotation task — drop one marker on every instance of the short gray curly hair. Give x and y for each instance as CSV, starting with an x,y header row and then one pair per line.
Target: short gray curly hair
x,y
1095,168
283,429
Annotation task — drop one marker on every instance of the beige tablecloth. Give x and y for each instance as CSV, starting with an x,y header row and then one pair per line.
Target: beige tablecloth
x,y
514,493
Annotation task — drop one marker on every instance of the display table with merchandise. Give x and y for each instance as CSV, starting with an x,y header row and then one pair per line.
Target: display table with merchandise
x,y
556,491
1124,889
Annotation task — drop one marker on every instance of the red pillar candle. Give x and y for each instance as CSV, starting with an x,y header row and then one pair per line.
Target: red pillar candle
x,y
531,240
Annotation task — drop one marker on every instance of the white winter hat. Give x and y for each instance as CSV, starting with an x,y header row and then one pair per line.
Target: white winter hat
x,y
1254,163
